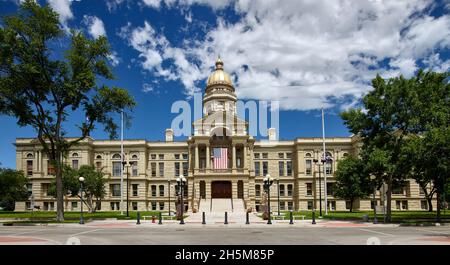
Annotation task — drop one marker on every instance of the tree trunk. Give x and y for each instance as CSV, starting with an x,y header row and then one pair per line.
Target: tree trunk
x,y
438,211
351,205
389,201
430,203
59,188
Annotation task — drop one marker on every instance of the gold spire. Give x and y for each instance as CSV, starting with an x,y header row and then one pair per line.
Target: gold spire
x,y
219,76
219,63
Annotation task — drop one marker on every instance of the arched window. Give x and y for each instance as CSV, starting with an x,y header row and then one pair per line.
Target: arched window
x,y
328,154
116,156
30,155
99,157
75,155
308,155
134,157
345,154
329,164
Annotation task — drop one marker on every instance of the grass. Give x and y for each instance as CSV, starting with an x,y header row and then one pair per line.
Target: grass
x,y
397,216
73,217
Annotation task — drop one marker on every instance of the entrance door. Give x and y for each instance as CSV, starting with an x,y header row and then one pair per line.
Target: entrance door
x,y
202,189
221,189
240,189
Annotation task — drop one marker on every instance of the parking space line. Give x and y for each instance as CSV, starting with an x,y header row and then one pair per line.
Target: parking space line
x,y
85,232
376,232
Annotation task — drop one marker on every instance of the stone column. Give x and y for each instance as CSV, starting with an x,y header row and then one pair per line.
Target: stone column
x,y
208,157
244,159
197,166
234,157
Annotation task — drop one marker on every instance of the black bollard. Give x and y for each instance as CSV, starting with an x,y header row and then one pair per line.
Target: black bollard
x,y
314,217
138,222
203,219
226,218
160,219
247,220
291,219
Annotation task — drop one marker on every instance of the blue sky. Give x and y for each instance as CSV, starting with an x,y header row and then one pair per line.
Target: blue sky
x,y
305,54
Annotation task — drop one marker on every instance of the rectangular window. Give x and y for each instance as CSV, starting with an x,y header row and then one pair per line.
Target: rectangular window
x,y
281,155
257,156
308,189
347,205
134,169
161,157
153,189
281,168
115,190
185,156
153,156
135,190
98,166
329,168
372,204
177,156
161,206
74,205
115,206
134,205
398,190
421,191
282,206
45,187
330,189
424,205
153,169
257,190
289,190
177,169
289,168
265,155
29,167
161,190
308,166
332,205
29,189
288,155
310,205
185,168
290,204
282,191
153,206
257,169
161,169
50,168
117,169
404,205
75,164
265,168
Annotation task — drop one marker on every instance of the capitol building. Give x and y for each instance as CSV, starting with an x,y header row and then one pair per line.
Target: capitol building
x,y
220,160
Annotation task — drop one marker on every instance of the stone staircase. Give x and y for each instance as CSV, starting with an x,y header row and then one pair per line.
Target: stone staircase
x,y
215,211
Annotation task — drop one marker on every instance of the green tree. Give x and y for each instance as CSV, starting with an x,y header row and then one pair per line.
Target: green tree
x,y
352,182
12,188
93,187
41,88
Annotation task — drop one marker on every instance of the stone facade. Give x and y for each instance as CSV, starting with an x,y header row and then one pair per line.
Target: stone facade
x,y
156,165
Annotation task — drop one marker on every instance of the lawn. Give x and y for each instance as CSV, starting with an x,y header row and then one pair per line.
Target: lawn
x,y
397,216
42,216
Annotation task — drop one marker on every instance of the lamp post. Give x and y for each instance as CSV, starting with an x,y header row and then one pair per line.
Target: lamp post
x,y
124,164
268,181
181,181
278,188
81,179
375,220
320,188
169,196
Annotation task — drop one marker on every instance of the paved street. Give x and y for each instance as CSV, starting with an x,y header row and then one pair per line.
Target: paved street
x,y
301,233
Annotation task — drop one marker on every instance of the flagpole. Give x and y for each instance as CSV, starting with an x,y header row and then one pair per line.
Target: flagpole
x,y
122,158
324,159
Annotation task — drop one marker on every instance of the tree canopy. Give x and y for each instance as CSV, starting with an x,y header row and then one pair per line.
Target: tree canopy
x,y
12,188
42,88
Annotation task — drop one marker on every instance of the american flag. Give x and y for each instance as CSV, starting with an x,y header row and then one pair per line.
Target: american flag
x,y
220,158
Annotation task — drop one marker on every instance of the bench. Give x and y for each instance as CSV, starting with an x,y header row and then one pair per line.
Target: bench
x,y
295,217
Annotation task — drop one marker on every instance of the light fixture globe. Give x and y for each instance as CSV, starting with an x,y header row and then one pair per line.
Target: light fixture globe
x,y
81,179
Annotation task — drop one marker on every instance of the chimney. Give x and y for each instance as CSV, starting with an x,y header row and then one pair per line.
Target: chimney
x,y
169,135
272,132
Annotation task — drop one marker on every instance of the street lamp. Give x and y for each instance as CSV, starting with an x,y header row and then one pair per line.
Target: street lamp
x,y
128,189
320,188
268,181
372,178
181,181
278,188
81,179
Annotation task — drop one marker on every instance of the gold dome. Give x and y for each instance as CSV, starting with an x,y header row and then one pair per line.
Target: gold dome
x,y
219,76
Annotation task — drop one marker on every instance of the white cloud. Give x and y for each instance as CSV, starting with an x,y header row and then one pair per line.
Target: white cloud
x,y
95,26
114,59
62,7
146,88
307,54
